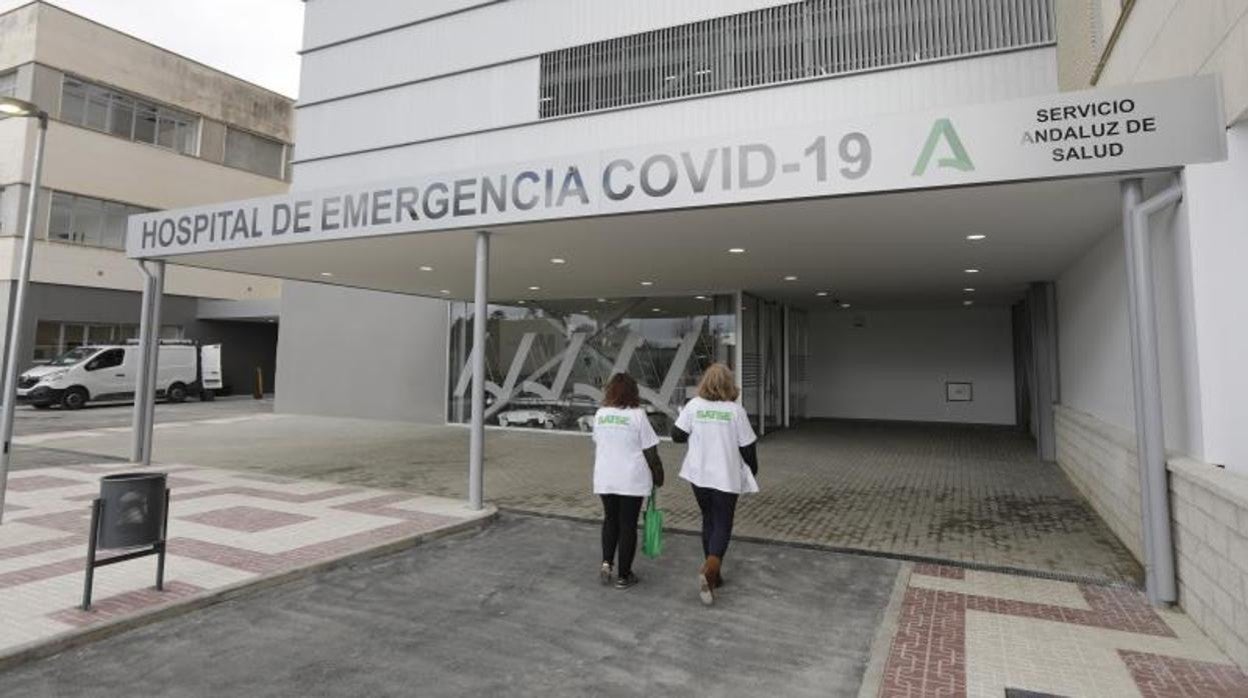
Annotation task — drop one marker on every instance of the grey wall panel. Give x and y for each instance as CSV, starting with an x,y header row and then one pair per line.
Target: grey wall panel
x,y
352,353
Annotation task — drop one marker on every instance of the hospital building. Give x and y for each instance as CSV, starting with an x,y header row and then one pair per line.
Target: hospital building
x,y
1025,214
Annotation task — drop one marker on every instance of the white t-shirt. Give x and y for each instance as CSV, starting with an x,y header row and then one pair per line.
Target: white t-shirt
x,y
620,436
716,430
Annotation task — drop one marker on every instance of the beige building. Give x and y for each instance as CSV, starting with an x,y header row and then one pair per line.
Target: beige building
x,y
133,128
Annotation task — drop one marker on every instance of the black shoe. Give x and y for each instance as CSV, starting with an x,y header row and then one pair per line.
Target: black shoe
x,y
626,580
604,573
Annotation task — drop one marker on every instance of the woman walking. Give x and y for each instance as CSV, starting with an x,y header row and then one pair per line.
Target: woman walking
x,y
626,469
721,464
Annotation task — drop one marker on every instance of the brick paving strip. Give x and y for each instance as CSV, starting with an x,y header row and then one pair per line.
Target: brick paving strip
x,y
971,633
230,533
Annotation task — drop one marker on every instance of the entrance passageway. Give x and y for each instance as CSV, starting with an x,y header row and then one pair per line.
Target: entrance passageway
x,y
967,494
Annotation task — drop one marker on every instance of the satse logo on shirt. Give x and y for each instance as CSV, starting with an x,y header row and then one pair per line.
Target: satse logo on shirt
x,y
713,416
616,419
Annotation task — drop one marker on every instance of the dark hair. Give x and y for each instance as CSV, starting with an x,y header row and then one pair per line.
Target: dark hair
x,y
621,391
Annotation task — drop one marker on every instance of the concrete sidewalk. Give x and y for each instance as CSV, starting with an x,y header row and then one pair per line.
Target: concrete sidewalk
x,y
517,610
227,530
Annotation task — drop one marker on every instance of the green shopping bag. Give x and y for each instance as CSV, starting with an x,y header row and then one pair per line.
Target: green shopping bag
x,y
652,541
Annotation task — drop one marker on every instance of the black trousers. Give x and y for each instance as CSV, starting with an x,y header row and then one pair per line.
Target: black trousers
x,y
619,530
718,511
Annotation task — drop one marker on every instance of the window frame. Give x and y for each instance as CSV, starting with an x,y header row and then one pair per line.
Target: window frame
x,y
89,92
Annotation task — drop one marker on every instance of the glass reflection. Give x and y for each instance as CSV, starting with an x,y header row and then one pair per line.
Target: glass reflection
x,y
546,361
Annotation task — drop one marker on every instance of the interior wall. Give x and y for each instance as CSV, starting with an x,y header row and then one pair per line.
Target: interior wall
x,y
352,353
895,365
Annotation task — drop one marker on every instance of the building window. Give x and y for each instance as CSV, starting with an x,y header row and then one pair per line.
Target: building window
x,y
53,338
8,84
125,116
81,220
253,153
803,40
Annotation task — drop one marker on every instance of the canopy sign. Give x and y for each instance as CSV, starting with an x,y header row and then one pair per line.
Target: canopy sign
x,y
1132,128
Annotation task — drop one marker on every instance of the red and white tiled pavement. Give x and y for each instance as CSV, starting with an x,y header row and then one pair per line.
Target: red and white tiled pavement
x,y
970,633
225,528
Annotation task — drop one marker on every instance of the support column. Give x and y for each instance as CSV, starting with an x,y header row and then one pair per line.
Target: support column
x,y
480,307
153,362
1146,371
142,391
1042,302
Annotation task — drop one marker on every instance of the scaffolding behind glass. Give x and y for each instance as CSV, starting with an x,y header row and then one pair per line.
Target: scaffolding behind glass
x,y
547,361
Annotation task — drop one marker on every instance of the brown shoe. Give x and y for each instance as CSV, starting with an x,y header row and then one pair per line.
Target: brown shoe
x,y
708,580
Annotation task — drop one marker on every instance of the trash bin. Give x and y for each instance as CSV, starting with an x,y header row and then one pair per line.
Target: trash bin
x,y
133,509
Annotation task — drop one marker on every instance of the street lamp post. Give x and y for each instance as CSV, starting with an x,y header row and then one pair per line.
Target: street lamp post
x,y
10,107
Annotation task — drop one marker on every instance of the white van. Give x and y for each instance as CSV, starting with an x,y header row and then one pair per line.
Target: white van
x,y
108,373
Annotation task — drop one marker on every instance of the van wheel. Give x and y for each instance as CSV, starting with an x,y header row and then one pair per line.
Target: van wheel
x,y
176,393
548,424
74,399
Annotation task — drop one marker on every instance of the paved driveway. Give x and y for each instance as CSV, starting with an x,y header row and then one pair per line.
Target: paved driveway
x,y
966,494
515,610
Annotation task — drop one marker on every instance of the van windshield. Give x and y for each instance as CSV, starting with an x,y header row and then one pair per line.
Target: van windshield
x,y
73,356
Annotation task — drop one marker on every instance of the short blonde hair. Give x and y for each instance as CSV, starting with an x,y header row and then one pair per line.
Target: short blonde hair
x,y
718,384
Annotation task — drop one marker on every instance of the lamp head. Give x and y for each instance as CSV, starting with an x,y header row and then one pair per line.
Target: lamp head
x,y
11,106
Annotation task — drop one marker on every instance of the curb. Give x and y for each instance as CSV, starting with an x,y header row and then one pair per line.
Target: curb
x,y
41,649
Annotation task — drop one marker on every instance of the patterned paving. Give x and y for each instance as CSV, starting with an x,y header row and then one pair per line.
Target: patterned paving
x,y
970,633
968,494
225,528
947,492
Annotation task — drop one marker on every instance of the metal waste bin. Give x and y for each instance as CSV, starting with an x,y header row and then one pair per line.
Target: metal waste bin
x,y
132,511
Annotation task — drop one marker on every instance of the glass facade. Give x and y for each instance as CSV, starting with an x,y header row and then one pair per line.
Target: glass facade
x,y
546,361
53,337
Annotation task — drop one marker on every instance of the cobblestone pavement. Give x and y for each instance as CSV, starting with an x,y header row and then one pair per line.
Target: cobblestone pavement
x,y
965,494
979,634
225,528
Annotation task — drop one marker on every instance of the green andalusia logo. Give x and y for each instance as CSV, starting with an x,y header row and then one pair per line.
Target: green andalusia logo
x,y
943,130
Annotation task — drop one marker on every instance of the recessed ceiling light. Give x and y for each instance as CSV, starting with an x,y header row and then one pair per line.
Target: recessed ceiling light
x,y
327,273
844,305
968,289
976,237
426,267
790,277
968,302
972,271
585,311
535,288
821,293
558,260
445,291
521,302
656,310
736,250
602,300
702,298
647,283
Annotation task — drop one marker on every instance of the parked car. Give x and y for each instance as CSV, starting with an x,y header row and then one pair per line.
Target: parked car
x,y
109,373
535,417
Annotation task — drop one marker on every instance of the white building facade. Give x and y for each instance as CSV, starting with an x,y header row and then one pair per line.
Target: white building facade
x,y
964,261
